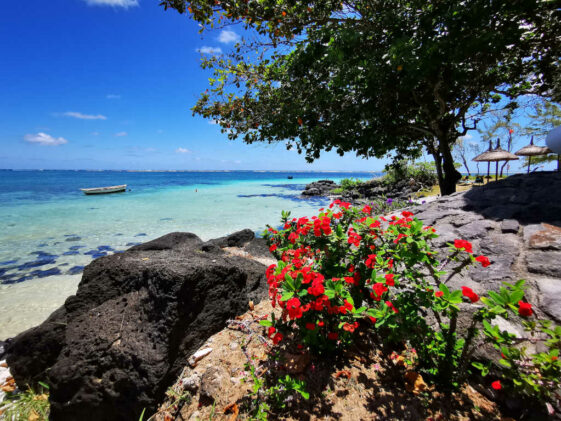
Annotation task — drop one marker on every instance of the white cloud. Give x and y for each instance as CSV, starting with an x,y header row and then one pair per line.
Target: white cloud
x,y
113,96
81,116
209,50
44,139
182,150
115,3
121,134
227,37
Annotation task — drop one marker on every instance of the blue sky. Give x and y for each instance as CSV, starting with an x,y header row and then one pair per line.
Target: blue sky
x,y
90,85
108,84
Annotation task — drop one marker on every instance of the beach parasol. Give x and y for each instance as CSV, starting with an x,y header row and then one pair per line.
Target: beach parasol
x,y
532,150
496,155
481,157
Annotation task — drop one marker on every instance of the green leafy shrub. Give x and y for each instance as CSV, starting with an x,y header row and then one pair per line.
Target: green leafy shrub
x,y
346,270
422,172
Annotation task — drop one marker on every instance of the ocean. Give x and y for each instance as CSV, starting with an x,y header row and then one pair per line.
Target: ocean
x,y
50,230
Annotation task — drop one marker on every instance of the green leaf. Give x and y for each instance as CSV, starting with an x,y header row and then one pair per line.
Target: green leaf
x,y
455,297
496,298
516,296
287,295
329,293
505,363
265,322
445,290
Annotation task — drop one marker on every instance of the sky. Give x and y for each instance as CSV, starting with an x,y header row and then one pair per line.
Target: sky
x,y
108,84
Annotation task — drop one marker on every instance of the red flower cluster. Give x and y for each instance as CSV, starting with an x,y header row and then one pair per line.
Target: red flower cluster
x,y
378,290
468,292
463,244
354,238
483,260
389,280
350,327
496,385
524,309
322,224
370,261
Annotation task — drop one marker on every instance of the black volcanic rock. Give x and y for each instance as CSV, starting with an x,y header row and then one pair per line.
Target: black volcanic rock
x,y
115,347
319,188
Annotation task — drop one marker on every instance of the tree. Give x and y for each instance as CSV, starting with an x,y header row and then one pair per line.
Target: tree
x,y
374,77
461,150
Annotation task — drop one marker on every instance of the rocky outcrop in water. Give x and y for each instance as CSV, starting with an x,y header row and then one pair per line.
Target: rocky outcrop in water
x,y
114,347
371,189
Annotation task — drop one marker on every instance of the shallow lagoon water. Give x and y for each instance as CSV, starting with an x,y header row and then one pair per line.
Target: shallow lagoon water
x,y
49,230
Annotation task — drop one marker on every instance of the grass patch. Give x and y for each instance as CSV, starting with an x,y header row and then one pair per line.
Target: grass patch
x,y
28,405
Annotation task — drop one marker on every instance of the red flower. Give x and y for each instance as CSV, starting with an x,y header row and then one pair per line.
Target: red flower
x,y
496,385
310,326
483,260
438,294
371,261
375,224
468,292
390,305
378,290
367,209
332,336
524,309
350,327
293,237
273,248
406,214
389,280
271,331
399,237
463,244
317,288
293,308
277,338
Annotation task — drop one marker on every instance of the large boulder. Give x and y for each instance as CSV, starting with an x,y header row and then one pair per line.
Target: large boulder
x,y
115,347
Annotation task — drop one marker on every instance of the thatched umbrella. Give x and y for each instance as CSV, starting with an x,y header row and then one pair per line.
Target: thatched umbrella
x,y
499,154
481,157
532,150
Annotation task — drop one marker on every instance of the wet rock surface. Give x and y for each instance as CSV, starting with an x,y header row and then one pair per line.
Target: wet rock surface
x,y
114,347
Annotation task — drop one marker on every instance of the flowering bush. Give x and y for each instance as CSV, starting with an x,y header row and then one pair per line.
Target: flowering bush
x,y
346,270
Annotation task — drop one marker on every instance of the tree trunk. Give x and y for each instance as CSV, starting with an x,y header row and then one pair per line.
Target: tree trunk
x,y
438,165
451,174
466,165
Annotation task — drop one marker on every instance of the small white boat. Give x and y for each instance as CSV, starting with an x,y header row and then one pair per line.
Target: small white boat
x,y
105,190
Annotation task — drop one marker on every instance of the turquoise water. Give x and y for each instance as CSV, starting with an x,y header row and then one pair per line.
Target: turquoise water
x,y
49,230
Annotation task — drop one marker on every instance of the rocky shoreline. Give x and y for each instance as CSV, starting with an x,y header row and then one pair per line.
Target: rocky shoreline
x,y
115,347
372,189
